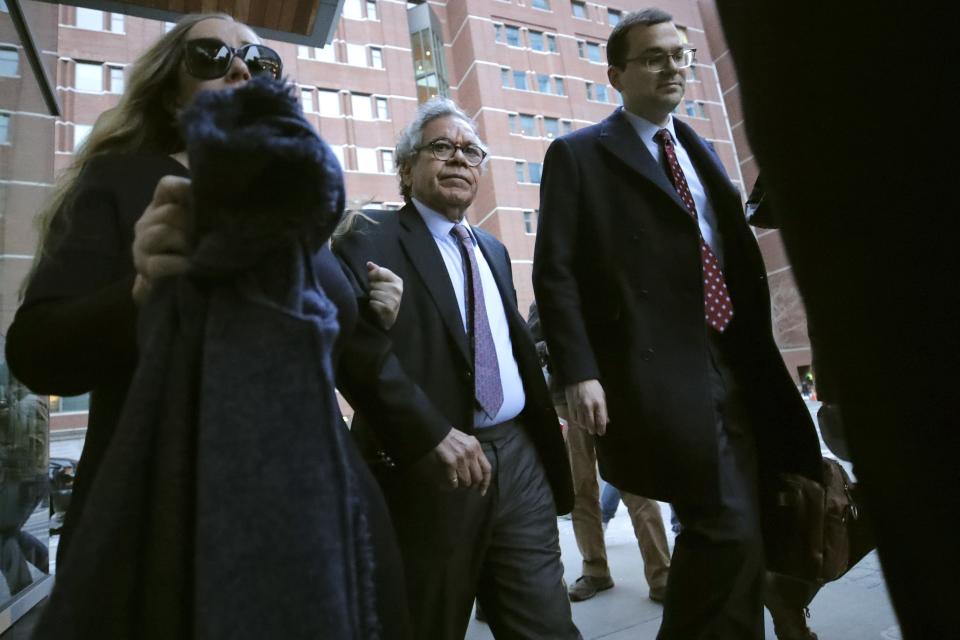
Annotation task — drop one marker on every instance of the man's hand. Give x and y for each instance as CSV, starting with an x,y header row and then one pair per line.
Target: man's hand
x,y
587,404
464,461
161,238
386,290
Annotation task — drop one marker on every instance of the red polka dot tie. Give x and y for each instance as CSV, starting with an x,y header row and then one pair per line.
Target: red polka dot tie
x,y
717,306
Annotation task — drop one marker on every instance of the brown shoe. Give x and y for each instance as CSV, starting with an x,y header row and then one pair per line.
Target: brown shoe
x,y
657,594
587,586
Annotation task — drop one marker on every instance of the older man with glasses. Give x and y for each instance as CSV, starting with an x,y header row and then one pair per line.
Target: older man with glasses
x,y
653,300
458,422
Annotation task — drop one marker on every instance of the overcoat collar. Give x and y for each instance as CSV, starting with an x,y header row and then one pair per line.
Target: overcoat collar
x,y
619,137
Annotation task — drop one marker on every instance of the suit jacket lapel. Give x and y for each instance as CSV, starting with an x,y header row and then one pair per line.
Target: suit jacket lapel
x,y
421,250
493,256
708,165
619,137
501,274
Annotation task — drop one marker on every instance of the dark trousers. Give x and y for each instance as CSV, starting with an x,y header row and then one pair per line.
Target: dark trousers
x,y
502,548
714,590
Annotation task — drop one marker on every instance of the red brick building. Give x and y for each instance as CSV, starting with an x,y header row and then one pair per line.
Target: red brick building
x,y
526,70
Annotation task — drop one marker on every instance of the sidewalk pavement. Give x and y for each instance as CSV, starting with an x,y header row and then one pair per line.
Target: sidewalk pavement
x,y
855,607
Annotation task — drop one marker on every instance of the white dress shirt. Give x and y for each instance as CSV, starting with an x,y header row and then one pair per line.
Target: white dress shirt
x,y
514,398
706,217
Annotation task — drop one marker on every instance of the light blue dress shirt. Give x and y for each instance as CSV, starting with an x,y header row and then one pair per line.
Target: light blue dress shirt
x,y
514,398
706,216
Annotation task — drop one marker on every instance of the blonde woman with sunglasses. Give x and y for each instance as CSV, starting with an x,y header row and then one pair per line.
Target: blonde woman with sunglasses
x,y
117,221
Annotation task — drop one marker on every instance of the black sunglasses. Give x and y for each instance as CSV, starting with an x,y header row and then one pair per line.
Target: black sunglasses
x,y
209,58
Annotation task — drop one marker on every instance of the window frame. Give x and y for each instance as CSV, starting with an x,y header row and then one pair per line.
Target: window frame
x,y
83,11
358,98
13,61
81,64
5,120
329,93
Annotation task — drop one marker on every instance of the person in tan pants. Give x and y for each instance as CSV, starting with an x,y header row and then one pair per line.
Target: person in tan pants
x,y
588,527
587,523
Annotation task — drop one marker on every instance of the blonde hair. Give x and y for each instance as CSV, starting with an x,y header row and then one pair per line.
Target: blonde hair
x,y
142,122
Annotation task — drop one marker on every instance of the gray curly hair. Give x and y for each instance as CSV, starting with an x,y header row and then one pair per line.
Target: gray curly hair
x,y
412,135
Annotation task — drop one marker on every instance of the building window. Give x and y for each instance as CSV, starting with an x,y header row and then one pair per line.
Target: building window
x,y
593,52
361,106
528,222
4,128
80,133
614,17
695,109
116,79
367,160
602,93
560,88
551,43
589,90
520,80
513,36
71,404
352,9
512,119
376,57
543,83
327,53
535,170
579,9
116,22
551,126
329,103
497,32
357,55
9,62
535,38
567,126
89,77
321,54
306,99
429,67
372,10
386,156
382,111
521,168
691,74
338,152
541,4
505,77
89,19
528,125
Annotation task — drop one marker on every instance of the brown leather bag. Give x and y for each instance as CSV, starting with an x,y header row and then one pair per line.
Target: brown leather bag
x,y
818,530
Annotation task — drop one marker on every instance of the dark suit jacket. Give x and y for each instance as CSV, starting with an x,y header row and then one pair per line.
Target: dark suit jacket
x,y
618,283
415,381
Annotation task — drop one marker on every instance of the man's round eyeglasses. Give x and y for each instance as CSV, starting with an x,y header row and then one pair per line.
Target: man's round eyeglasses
x,y
444,149
681,58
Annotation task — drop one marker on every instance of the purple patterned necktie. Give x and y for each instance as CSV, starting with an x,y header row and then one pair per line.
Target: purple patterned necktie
x,y
489,391
717,305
